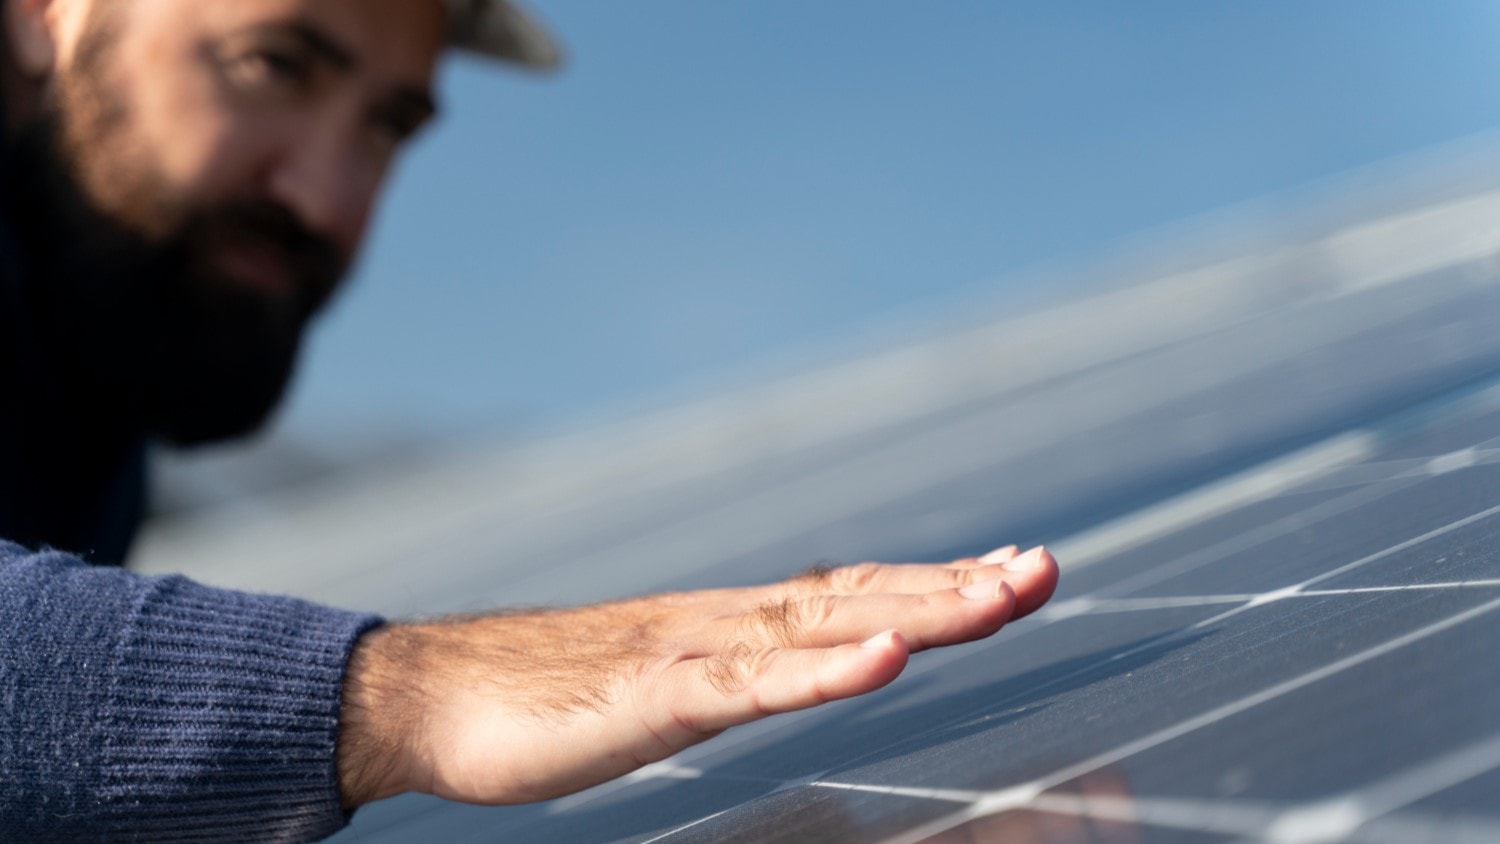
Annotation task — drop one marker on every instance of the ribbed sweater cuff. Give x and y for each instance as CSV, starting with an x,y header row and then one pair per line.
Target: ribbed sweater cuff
x,y
223,716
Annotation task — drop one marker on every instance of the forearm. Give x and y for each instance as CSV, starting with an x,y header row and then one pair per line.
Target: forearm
x,y
150,708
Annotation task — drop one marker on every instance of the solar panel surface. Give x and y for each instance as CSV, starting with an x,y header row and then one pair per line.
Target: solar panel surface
x,y
1293,651
1312,664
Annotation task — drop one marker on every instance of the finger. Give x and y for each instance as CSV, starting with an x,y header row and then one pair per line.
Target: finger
x,y
723,690
1032,576
998,555
939,618
905,578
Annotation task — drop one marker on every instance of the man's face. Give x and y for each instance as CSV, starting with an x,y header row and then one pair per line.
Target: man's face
x,y
225,156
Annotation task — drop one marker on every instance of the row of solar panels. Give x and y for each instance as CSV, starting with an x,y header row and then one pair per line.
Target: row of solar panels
x,y
1310,311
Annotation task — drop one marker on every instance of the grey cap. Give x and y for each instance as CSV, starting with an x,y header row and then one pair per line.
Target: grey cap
x,y
498,28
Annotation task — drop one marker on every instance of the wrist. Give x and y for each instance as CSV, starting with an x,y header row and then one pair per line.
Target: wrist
x,y
373,719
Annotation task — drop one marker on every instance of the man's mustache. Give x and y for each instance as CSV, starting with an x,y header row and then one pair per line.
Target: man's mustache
x,y
315,263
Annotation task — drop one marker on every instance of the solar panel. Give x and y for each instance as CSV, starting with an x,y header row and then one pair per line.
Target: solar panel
x,y
1317,664
1280,586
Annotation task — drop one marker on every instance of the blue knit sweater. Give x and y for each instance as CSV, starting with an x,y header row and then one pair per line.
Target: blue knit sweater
x,y
157,709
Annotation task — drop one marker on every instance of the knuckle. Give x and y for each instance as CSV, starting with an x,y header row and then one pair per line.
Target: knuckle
x,y
860,577
779,622
815,578
729,670
818,611
963,577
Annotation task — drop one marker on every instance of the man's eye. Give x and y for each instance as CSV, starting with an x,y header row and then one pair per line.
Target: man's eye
x,y
271,68
398,129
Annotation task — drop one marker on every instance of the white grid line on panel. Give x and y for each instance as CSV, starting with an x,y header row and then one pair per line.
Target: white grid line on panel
x,y
979,804
932,662
1298,588
1391,481
1335,818
687,826
1338,817
1006,799
1261,534
1086,606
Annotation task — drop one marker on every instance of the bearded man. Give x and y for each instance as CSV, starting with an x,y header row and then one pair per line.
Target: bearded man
x,y
183,185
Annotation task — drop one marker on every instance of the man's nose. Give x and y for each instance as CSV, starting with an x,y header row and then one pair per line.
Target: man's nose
x,y
322,180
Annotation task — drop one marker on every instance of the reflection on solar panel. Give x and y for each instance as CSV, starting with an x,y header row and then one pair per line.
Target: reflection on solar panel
x,y
1318,664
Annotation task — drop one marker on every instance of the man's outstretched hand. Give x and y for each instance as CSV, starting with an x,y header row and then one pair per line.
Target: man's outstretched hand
x,y
515,707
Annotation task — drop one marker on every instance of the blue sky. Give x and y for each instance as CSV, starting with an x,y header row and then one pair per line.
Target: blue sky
x,y
711,184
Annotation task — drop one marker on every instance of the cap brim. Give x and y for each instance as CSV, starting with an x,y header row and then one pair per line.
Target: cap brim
x,y
499,29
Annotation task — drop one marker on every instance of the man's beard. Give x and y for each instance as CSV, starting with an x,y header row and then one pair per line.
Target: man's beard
x,y
124,290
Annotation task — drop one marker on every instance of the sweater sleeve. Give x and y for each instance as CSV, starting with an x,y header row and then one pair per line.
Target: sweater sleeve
x,y
158,709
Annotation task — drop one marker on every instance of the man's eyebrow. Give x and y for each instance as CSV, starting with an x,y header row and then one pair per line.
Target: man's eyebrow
x,y
318,42
416,102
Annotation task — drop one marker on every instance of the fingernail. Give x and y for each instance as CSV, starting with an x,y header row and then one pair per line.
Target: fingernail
x,y
877,641
983,590
999,555
1029,561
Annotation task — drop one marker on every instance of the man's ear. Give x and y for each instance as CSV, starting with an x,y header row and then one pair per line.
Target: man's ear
x,y
30,37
